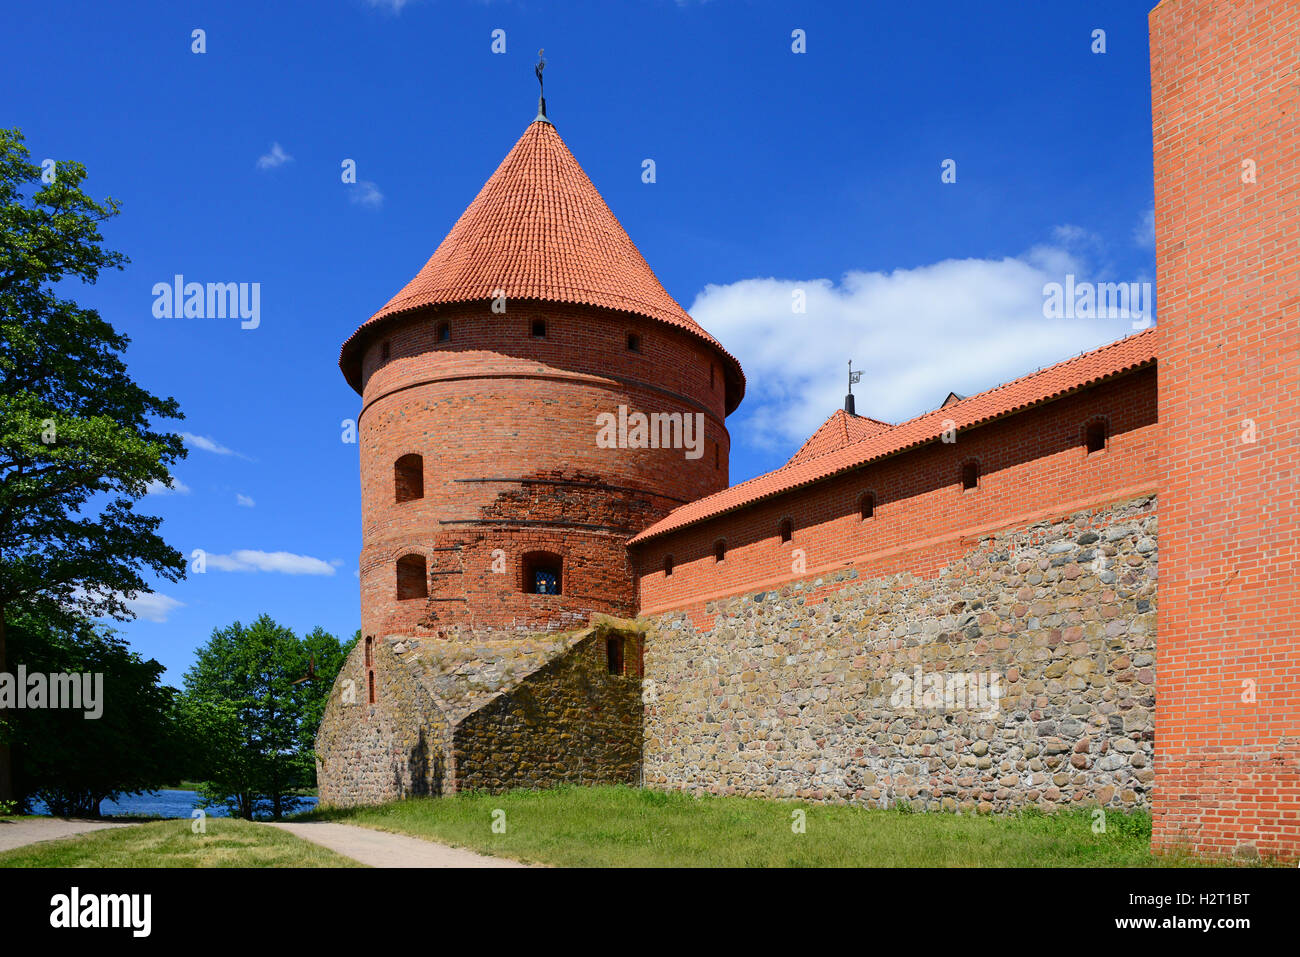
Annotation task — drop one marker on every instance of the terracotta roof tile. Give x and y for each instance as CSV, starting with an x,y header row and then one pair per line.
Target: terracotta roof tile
x,y
1054,381
839,430
539,229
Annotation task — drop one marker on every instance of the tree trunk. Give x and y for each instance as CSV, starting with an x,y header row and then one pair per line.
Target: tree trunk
x,y
6,770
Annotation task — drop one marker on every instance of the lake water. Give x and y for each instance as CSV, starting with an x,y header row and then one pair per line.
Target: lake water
x,y
167,803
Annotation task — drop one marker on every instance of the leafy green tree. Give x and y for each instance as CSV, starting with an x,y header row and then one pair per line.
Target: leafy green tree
x,y
73,762
78,446
246,701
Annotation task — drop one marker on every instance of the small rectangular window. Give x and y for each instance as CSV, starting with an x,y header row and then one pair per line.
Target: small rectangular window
x,y
720,551
1095,438
385,350
970,476
614,655
539,328
668,566
787,530
633,342
444,332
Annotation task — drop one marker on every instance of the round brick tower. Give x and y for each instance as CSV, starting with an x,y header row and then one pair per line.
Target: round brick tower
x,y
530,400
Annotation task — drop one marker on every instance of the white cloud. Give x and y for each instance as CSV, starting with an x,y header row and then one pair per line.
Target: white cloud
x,y
1144,233
177,487
394,6
244,500
276,157
366,193
209,445
153,607
962,325
286,563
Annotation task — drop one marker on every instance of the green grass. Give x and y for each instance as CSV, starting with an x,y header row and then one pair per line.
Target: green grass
x,y
622,826
227,843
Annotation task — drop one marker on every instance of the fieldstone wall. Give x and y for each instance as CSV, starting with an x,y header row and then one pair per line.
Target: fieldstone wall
x,y
569,722
807,691
368,754
484,714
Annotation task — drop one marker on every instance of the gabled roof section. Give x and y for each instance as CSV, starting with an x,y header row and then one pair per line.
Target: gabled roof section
x,y
1044,385
839,430
539,229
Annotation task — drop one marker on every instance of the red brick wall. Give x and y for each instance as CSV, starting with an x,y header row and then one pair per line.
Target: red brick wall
x,y
1225,83
1033,465
507,426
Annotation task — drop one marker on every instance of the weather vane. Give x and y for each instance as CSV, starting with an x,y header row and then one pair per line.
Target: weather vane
x,y
853,377
541,89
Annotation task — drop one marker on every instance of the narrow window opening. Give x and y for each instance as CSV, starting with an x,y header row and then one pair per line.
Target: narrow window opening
x,y
614,655
719,551
408,478
867,506
444,332
385,350
543,573
371,681
412,581
1095,437
539,328
370,651
633,342
970,475
787,530
668,566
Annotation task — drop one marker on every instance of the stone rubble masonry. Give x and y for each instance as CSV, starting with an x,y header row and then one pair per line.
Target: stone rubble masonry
x,y
1225,89
487,714
788,693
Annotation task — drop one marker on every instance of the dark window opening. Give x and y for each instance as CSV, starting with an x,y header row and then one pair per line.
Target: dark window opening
x,y
408,478
633,342
719,551
668,566
412,582
539,328
543,573
385,350
371,682
787,530
867,506
970,476
444,332
614,655
1095,437
370,651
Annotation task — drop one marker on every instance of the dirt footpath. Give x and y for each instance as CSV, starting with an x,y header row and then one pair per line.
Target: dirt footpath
x,y
23,831
382,849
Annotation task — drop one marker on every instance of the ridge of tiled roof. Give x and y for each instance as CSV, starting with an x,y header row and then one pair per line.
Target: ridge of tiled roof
x,y
839,430
539,229
1123,355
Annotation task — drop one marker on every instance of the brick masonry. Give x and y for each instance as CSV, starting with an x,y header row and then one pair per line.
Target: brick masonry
x,y
1225,92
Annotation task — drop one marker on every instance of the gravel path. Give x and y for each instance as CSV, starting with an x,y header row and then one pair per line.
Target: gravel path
x,y
20,832
382,849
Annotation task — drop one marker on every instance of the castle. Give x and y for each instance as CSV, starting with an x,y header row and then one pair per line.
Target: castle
x,y
539,605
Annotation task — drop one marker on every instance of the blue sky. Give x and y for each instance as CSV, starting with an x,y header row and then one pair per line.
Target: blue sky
x,y
776,172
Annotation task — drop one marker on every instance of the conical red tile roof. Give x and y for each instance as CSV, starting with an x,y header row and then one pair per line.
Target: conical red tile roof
x,y
538,229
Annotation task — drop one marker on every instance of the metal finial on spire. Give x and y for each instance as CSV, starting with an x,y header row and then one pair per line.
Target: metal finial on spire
x,y
541,89
848,399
